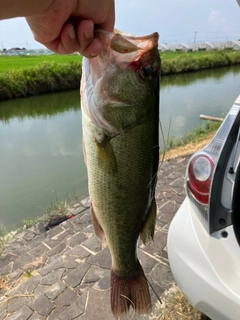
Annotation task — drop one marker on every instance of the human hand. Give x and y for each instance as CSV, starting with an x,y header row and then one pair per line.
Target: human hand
x,y
67,26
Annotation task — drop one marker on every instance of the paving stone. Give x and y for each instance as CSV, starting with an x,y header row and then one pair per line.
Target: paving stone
x,y
36,316
40,290
75,310
56,313
175,175
98,304
147,262
155,248
162,276
15,246
79,252
54,232
76,239
55,290
3,311
36,241
178,182
75,277
38,250
57,249
26,287
23,314
92,244
56,264
29,236
94,274
6,259
52,277
158,290
6,269
66,298
50,243
84,219
70,262
85,202
16,303
37,263
89,229
167,217
42,305
104,282
101,259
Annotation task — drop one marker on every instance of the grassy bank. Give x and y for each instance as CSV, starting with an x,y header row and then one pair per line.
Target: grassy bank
x,y
27,75
43,78
193,61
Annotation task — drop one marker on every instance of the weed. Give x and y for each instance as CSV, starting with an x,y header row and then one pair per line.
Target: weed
x,y
193,136
176,306
31,222
27,274
4,236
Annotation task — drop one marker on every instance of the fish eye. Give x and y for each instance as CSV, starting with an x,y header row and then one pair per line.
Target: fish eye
x,y
147,71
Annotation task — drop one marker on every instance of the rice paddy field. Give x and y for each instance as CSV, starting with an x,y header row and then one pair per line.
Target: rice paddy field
x,y
8,63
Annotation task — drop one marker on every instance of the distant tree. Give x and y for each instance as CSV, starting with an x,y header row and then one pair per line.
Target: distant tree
x,y
4,49
24,49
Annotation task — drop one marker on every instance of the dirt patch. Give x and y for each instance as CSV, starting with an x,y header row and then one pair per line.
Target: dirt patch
x,y
188,148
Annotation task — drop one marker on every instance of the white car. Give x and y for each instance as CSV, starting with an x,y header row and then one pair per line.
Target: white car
x,y
204,236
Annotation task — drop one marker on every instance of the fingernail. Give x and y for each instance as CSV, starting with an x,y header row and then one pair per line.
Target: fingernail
x,y
71,33
89,33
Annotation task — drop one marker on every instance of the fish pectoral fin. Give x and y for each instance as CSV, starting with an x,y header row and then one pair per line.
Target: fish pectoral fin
x,y
147,233
96,225
84,152
106,156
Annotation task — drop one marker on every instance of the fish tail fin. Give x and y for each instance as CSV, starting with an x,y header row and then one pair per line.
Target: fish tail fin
x,y
126,291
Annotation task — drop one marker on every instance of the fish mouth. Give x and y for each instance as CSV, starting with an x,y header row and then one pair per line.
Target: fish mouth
x,y
124,43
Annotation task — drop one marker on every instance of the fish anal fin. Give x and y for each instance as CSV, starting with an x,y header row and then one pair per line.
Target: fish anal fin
x,y
132,290
96,225
147,233
106,157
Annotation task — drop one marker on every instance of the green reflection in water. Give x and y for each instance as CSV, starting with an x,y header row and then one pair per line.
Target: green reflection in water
x,y
41,106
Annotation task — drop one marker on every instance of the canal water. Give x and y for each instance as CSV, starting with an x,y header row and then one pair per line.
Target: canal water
x,y
41,159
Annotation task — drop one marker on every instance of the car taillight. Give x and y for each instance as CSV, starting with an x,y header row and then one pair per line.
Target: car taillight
x,y
206,170
200,169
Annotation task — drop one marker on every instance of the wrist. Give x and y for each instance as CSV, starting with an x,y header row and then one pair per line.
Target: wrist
x,y
22,8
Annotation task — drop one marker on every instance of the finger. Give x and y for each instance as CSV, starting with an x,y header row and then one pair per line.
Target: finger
x,y
69,42
108,23
94,49
89,46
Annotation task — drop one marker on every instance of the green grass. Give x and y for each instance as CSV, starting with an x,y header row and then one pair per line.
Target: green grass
x,y
22,62
32,75
196,135
42,78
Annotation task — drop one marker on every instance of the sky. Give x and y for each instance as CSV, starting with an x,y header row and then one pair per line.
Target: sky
x,y
176,21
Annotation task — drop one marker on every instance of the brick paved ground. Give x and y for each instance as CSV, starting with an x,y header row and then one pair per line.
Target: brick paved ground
x,y
64,273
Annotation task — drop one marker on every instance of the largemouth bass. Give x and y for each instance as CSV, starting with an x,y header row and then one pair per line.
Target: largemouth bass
x,y
120,119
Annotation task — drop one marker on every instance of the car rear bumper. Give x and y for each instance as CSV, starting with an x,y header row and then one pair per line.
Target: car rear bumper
x,y
206,267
